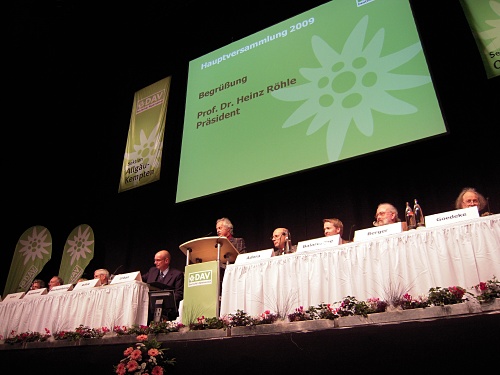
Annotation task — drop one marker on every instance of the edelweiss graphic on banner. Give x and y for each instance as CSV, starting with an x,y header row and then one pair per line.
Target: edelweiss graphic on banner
x,y
142,159
484,21
33,251
78,252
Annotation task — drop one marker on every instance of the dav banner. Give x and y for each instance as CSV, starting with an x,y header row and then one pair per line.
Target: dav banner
x,y
33,251
484,20
142,159
78,252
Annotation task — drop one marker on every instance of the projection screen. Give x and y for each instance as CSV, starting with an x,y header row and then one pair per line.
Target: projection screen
x,y
342,80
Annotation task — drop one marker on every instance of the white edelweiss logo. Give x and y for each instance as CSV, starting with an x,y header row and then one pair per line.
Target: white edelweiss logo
x,y
492,35
34,245
349,85
149,150
79,245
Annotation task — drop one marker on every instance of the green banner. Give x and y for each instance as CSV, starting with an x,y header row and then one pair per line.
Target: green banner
x,y
484,21
78,252
33,251
200,291
143,152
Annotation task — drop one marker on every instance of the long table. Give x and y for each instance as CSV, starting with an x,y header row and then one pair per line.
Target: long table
x,y
460,254
123,304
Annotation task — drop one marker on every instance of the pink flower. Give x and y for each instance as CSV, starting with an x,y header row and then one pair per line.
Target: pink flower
x,y
136,354
142,338
127,351
120,369
132,366
482,286
153,352
157,370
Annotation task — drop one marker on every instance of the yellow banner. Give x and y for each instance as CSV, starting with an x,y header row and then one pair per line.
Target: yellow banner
x,y
484,21
142,159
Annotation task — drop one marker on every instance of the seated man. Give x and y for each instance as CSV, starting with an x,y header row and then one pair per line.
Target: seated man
x,y
37,284
386,214
282,242
171,278
103,275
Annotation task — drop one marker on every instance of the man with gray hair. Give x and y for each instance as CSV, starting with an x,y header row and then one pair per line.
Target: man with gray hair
x,y
224,228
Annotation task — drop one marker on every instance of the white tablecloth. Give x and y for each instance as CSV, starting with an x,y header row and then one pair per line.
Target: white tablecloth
x,y
460,254
122,304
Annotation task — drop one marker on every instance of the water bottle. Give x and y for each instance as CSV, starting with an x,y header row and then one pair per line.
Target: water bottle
x,y
419,215
410,217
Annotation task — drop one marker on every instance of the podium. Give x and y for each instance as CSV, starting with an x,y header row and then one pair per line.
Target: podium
x,y
202,287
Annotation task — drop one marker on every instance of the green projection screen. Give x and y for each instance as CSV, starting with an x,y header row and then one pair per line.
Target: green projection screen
x,y
344,79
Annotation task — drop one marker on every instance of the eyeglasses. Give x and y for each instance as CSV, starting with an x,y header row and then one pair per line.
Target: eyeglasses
x,y
471,201
276,236
381,213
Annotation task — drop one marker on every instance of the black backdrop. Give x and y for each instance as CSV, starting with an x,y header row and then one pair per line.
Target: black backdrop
x,y
70,74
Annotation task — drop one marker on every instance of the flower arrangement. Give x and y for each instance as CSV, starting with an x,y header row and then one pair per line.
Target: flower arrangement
x,y
267,317
133,330
28,336
446,296
406,302
376,305
488,291
81,332
147,357
239,319
207,323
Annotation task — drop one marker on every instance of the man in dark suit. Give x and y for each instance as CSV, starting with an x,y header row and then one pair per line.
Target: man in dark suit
x,y
172,278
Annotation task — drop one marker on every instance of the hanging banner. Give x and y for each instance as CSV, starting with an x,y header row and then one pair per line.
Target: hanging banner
x,y
142,159
33,251
78,252
484,21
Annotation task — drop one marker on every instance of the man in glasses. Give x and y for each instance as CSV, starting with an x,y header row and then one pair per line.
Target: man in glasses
x,y
282,242
386,214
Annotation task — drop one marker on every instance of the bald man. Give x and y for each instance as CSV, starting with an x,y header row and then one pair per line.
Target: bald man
x,y
172,278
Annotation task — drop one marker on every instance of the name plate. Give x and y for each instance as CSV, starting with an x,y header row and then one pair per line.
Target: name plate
x,y
13,297
35,293
254,255
87,284
381,231
318,243
126,277
62,288
449,217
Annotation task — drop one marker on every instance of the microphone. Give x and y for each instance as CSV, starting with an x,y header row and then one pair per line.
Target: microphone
x,y
288,240
114,273
208,234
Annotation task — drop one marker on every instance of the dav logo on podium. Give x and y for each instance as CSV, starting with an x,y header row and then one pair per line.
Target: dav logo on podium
x,y
200,278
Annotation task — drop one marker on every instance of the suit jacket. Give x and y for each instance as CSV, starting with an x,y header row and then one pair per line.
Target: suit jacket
x,y
174,280
239,244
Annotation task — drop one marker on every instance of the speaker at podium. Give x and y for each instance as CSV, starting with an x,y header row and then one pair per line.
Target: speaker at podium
x,y
202,286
